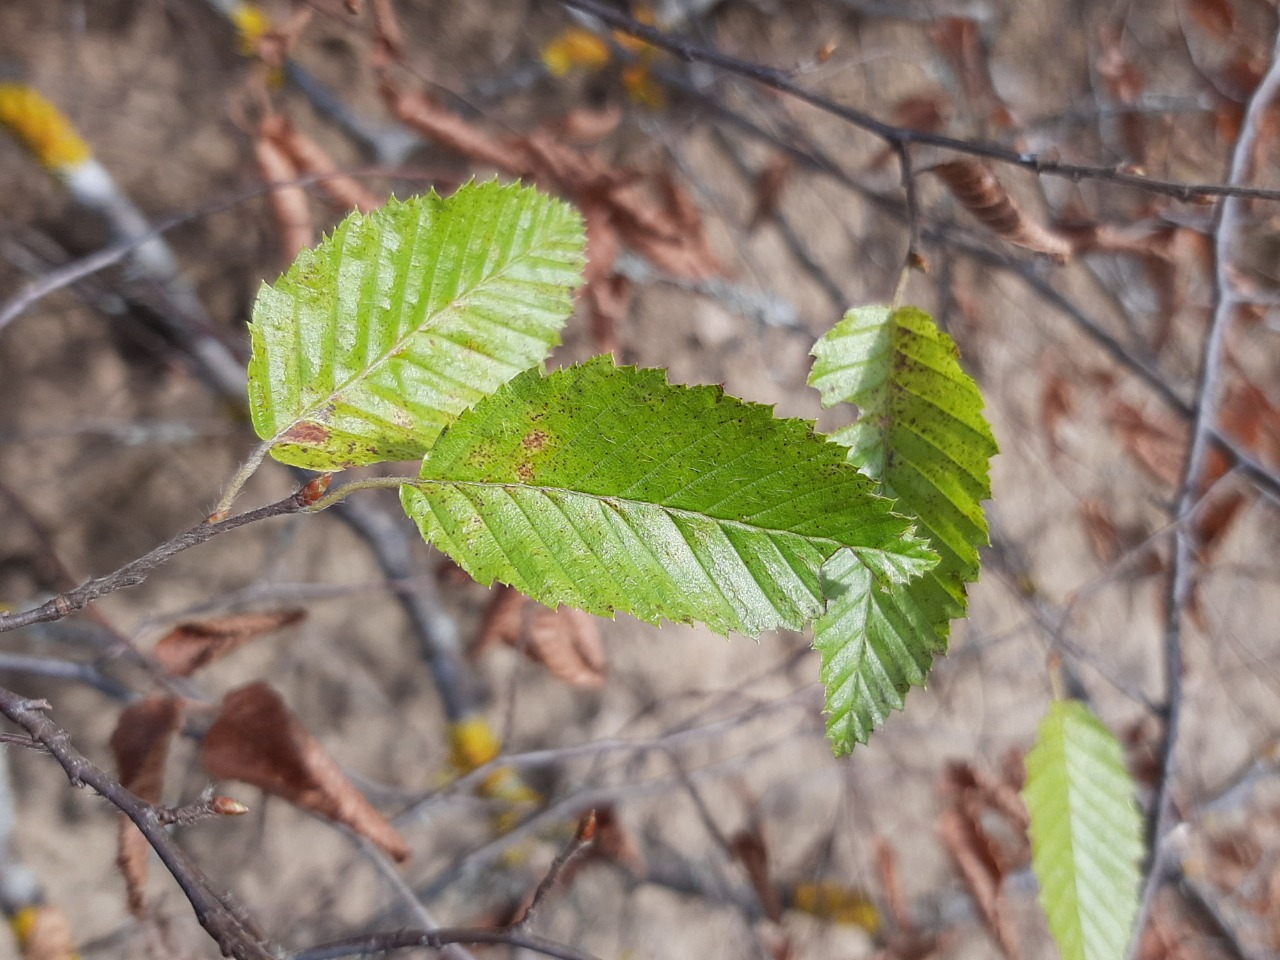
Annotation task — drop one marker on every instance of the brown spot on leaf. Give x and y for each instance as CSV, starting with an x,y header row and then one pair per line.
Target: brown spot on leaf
x,y
525,472
305,432
534,440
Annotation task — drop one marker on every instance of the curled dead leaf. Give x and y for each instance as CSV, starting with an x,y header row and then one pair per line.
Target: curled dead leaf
x,y
583,126
768,190
959,40
140,746
648,212
1056,406
975,185
258,740
566,641
613,841
195,644
289,201
974,855
1157,445
309,157
750,850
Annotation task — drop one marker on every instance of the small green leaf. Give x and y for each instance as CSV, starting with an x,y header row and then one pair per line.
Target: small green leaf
x,y
1086,833
374,341
609,489
920,434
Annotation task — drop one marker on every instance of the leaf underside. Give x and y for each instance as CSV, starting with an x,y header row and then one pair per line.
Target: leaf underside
x,y
1086,833
609,489
374,341
922,436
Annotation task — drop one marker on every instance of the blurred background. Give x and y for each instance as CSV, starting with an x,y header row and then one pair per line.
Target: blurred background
x,y
193,147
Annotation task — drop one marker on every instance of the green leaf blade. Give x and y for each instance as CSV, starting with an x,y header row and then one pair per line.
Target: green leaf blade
x,y
922,436
373,342
1086,833
610,490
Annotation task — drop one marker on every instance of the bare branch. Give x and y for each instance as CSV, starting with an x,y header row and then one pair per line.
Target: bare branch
x,y
901,136
137,571
1203,434
582,837
236,935
438,939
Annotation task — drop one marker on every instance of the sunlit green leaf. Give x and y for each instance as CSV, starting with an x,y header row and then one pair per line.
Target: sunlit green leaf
x,y
922,436
371,343
1086,833
609,489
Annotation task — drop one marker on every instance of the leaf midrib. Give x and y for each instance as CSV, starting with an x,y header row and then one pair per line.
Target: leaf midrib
x,y
331,399
627,501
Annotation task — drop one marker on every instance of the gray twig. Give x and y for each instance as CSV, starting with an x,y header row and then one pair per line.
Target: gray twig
x,y
1203,425
137,571
226,924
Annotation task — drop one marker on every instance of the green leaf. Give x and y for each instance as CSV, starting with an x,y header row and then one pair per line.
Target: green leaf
x,y
1086,833
609,489
374,341
920,434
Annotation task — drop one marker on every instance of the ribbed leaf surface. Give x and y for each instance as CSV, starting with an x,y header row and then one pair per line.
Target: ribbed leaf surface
x,y
1086,833
609,489
403,318
920,434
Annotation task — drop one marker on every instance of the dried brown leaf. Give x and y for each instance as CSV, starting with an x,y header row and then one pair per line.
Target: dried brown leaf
x,y
1159,446
1216,17
1124,84
1056,405
289,201
926,112
387,31
887,867
585,127
973,853
976,187
1252,420
257,739
649,213
566,641
768,190
614,842
668,232
195,644
1213,520
309,157
140,746
959,39
1104,536
750,850
445,128
1141,742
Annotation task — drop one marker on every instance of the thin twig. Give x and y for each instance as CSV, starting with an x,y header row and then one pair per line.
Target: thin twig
x,y
582,837
438,939
941,233
235,936
778,80
137,571
18,740
60,669
384,865
1182,565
